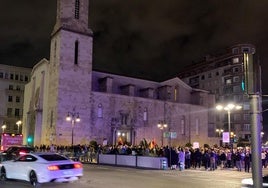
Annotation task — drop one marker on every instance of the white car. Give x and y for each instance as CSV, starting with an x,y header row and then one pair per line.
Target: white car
x,y
248,182
41,167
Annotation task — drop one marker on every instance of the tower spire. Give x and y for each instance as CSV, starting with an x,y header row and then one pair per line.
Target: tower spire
x,y
72,15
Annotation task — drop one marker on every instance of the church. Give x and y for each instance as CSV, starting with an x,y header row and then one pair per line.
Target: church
x,y
66,102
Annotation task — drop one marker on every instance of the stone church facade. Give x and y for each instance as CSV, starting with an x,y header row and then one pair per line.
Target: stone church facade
x,y
111,108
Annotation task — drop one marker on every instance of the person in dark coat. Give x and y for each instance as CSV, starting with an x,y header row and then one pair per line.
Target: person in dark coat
x,y
197,158
174,158
247,160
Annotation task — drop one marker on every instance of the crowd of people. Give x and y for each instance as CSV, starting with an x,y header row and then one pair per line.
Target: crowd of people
x,y
177,157
83,153
187,157
210,158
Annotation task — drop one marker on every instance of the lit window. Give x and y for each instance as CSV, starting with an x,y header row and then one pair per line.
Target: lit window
x,y
228,81
236,60
246,107
175,94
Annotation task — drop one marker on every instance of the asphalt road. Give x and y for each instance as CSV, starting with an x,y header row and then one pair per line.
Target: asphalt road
x,y
100,176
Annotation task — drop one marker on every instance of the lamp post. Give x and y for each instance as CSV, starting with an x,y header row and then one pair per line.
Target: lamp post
x,y
219,131
229,107
73,117
19,123
233,136
162,125
3,128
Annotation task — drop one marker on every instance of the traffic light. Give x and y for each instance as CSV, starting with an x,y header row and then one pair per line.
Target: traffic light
x,y
251,80
29,140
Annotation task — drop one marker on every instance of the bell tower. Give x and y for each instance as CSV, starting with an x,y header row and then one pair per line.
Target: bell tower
x,y
70,73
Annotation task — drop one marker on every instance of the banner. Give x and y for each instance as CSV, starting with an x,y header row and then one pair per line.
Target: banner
x,y
225,137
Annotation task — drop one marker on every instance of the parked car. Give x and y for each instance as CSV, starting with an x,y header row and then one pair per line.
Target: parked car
x,y
14,152
248,182
42,167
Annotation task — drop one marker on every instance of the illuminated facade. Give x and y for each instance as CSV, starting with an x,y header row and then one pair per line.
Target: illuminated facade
x,y
112,108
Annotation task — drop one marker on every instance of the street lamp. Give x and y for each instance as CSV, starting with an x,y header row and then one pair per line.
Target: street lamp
x,y
219,131
229,107
73,117
3,128
19,123
233,136
162,125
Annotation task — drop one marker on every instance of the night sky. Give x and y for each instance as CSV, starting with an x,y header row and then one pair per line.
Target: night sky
x,y
152,39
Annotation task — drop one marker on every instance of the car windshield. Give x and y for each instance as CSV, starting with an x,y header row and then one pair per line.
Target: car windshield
x,y
52,157
11,149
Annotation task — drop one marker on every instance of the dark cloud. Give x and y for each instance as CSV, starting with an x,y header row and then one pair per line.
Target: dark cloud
x,y
152,39
159,38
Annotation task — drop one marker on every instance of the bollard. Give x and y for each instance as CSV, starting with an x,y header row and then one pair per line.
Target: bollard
x,y
164,164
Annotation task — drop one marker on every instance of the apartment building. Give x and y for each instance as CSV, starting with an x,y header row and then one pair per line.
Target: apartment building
x,y
12,82
222,74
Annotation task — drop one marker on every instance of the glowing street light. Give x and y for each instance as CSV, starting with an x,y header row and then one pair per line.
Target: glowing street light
x,y
3,128
229,107
220,131
162,125
73,117
19,123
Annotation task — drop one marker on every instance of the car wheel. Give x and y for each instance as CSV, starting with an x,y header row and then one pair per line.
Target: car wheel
x,y
33,179
3,174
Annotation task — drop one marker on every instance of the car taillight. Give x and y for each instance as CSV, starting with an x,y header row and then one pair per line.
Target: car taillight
x,y
22,153
77,165
53,167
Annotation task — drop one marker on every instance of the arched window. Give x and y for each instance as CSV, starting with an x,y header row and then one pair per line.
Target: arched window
x,y
76,9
